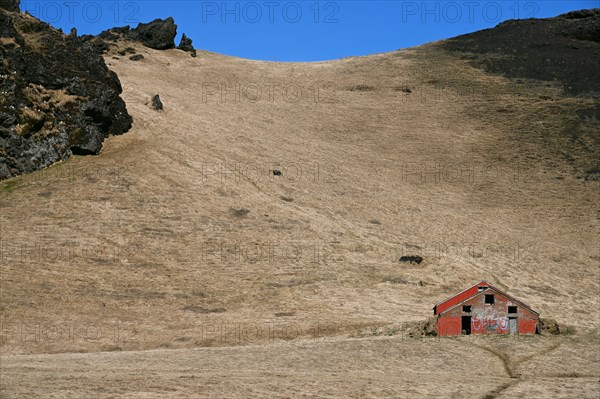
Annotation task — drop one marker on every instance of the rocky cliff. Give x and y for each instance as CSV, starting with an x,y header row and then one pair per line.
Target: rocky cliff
x,y
58,97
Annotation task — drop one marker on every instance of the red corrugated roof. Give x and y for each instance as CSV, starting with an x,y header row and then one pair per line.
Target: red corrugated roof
x,y
461,296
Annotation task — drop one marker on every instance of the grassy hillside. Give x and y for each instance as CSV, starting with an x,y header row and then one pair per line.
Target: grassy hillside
x,y
179,235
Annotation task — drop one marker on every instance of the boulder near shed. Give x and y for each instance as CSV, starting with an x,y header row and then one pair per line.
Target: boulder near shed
x,y
484,309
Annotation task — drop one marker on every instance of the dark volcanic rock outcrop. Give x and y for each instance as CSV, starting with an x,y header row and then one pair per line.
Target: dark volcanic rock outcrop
x,y
58,97
186,45
158,34
10,5
565,48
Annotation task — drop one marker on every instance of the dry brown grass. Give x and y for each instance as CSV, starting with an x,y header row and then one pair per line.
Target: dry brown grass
x,y
133,251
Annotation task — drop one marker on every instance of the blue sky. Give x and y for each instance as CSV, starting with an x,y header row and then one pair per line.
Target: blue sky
x,y
280,30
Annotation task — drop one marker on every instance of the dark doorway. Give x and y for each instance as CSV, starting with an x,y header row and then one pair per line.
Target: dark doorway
x,y
466,325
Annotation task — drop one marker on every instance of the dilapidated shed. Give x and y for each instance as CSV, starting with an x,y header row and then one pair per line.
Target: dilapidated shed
x,y
484,309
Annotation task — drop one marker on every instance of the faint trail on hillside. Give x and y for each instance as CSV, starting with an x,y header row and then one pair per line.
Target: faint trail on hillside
x,y
496,392
544,351
509,367
505,360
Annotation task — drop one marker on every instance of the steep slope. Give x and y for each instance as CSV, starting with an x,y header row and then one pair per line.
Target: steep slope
x,y
182,221
180,235
563,51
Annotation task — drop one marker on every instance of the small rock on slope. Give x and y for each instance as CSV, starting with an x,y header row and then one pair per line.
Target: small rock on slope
x,y
156,103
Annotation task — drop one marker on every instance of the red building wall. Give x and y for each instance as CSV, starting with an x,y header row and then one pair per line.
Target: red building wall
x,y
447,326
487,318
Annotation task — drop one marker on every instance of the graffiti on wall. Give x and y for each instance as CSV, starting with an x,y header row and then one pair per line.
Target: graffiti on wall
x,y
484,320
